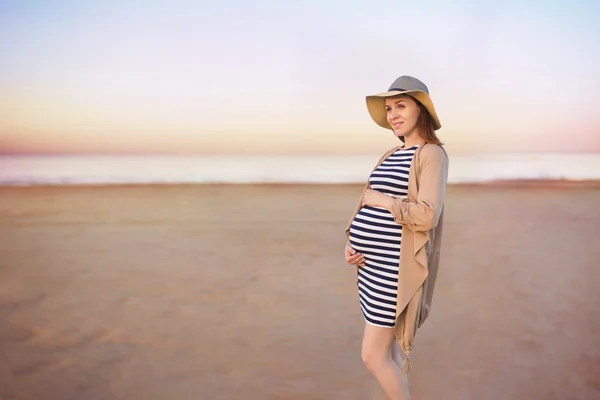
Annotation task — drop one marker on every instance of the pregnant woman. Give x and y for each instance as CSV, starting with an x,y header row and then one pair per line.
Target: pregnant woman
x,y
394,235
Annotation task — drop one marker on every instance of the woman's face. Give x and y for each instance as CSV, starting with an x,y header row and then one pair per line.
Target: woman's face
x,y
402,114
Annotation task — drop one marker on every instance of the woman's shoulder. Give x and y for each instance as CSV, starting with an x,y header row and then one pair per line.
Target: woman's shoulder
x,y
434,150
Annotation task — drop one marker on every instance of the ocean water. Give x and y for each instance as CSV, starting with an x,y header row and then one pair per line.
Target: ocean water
x,y
35,170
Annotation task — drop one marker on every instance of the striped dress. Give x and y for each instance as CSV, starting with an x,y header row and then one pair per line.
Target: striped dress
x,y
375,234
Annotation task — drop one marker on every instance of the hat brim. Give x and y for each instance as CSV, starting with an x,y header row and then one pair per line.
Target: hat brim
x,y
376,106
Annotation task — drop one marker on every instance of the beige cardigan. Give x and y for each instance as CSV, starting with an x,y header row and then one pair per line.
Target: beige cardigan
x,y
421,214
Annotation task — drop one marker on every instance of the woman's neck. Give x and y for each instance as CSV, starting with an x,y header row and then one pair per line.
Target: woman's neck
x,y
413,139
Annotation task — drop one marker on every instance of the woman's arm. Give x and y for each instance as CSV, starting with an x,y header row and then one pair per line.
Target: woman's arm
x,y
365,189
423,214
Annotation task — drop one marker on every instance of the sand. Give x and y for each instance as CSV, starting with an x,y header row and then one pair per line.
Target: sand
x,y
241,292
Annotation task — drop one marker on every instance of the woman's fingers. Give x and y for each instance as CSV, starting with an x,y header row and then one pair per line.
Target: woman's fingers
x,y
358,259
354,258
362,260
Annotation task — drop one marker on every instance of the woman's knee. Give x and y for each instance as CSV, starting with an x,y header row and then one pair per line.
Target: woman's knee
x,y
376,346
373,359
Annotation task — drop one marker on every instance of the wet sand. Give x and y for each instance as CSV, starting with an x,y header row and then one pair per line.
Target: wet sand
x,y
241,292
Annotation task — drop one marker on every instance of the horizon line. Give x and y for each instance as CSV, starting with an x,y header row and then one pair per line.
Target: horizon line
x,y
275,154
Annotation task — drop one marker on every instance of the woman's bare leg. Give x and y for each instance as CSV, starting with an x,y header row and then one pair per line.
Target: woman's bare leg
x,y
377,356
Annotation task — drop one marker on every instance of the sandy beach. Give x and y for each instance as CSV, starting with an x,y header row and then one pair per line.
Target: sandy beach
x,y
241,292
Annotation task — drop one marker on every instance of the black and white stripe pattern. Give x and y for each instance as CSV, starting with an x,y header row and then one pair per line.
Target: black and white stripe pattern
x,y
375,234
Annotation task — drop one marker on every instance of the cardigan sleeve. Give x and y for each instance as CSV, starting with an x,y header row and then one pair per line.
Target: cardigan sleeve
x,y
424,214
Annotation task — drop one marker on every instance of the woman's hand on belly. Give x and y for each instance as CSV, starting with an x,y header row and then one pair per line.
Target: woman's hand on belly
x,y
352,256
374,198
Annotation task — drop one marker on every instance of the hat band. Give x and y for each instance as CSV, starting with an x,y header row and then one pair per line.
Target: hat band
x,y
397,89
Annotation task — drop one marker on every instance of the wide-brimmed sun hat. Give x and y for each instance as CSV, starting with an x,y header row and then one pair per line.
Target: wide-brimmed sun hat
x,y
403,85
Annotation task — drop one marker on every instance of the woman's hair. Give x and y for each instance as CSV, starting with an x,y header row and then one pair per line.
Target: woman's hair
x,y
426,126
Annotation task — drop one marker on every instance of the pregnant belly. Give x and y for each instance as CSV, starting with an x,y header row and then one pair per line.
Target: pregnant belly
x,y
374,232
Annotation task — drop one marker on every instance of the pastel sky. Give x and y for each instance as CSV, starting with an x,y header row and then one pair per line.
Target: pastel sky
x,y
260,76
